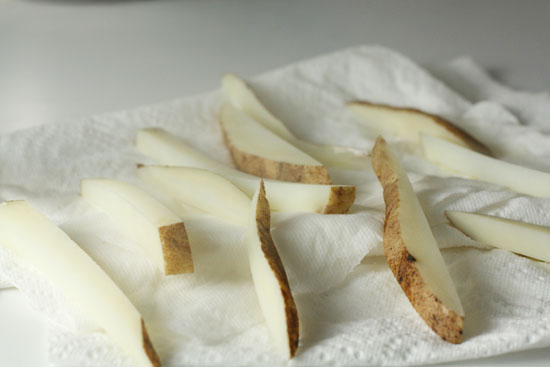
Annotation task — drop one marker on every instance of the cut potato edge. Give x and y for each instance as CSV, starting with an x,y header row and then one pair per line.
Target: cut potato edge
x,y
176,249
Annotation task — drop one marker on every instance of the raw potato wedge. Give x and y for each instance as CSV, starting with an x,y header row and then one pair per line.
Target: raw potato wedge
x,y
41,244
159,231
258,151
480,167
241,96
409,123
411,250
283,196
515,236
201,189
270,278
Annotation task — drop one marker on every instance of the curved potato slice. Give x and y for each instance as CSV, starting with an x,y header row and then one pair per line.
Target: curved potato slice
x,y
270,278
159,231
409,123
411,250
480,167
522,238
283,196
241,96
40,243
258,151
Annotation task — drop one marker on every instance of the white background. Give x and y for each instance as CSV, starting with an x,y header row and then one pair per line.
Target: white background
x,y
60,60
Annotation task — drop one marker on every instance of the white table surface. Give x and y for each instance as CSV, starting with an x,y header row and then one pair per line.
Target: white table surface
x,y
64,59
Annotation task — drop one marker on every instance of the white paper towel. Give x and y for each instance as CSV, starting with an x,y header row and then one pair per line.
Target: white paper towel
x,y
469,79
352,312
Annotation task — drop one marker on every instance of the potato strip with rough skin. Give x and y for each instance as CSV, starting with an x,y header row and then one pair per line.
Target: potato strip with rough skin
x,y
270,278
411,250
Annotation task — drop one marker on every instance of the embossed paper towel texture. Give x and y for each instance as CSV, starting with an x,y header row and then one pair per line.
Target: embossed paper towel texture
x,y
352,312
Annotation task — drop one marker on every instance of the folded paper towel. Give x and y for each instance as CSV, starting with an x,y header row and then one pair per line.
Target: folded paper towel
x,y
352,312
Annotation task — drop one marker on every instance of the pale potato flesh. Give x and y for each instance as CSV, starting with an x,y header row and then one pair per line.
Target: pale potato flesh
x,y
201,189
243,98
477,166
334,156
168,149
408,124
522,238
41,244
412,252
256,150
142,219
283,196
270,280
246,135
421,244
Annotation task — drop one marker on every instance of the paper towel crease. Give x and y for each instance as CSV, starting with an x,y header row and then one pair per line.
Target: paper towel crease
x,y
352,310
475,84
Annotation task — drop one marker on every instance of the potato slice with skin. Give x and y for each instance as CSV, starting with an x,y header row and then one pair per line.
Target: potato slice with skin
x,y
409,123
201,189
283,196
258,151
411,250
522,238
159,231
241,96
270,278
480,167
41,244
287,196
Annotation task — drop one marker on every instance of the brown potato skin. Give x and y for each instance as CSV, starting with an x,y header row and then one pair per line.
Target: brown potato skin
x,y
148,346
340,200
176,249
466,138
282,171
444,322
263,219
